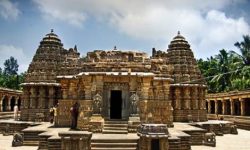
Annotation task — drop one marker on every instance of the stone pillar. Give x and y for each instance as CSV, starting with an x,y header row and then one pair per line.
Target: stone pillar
x,y
224,107
216,107
33,96
232,106
209,106
194,93
186,98
202,96
75,140
242,106
177,97
41,103
51,96
144,89
9,102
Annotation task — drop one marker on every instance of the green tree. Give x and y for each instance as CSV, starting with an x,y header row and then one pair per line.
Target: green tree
x,y
244,47
11,66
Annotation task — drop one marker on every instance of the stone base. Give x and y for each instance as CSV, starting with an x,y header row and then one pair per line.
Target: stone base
x,y
96,123
133,123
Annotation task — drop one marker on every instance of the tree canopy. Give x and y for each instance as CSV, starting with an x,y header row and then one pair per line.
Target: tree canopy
x,y
9,77
228,70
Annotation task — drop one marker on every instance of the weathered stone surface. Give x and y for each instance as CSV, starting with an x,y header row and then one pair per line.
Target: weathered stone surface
x,y
114,84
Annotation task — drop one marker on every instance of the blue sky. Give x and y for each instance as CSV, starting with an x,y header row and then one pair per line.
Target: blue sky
x,y
208,26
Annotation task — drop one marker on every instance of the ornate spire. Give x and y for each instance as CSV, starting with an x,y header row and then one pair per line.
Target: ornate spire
x,y
52,30
115,48
178,33
75,48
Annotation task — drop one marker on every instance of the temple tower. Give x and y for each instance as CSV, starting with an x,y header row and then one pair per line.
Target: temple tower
x,y
188,89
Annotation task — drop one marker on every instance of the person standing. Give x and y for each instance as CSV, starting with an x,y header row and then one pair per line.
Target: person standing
x,y
55,113
74,115
15,112
51,114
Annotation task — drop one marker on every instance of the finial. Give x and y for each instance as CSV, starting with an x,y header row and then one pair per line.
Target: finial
x,y
115,48
75,48
178,32
52,30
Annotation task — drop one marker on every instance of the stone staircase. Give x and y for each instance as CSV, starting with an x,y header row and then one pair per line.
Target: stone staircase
x,y
6,115
114,144
115,127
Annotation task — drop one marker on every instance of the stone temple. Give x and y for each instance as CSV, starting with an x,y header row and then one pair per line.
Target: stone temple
x,y
125,100
114,84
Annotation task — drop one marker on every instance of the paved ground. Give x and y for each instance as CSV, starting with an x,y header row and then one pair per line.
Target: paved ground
x,y
5,144
229,142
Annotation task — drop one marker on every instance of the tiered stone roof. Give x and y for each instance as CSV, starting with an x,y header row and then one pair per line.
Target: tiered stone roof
x,y
184,66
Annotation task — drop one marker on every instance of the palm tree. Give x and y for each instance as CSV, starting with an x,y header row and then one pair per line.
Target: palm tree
x,y
244,47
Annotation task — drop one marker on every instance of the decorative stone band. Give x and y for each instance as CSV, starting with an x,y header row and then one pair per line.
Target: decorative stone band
x,y
188,85
40,84
142,74
10,90
153,130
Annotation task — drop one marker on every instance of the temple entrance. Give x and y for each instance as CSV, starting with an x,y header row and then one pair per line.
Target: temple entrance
x,y
4,103
155,144
12,103
116,104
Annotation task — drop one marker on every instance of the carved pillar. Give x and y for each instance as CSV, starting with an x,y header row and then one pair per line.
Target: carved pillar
x,y
216,107
232,106
88,88
33,96
186,98
26,97
144,89
201,98
209,106
51,96
194,93
177,98
224,107
242,106
42,95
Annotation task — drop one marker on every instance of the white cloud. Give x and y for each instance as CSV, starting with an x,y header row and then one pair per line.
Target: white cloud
x,y
204,24
9,10
9,50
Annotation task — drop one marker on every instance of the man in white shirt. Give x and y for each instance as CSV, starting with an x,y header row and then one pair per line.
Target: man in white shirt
x,y
15,112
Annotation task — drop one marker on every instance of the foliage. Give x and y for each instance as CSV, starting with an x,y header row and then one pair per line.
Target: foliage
x,y
228,70
9,77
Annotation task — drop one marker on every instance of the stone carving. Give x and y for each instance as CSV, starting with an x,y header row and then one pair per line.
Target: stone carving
x,y
209,139
17,140
134,98
97,99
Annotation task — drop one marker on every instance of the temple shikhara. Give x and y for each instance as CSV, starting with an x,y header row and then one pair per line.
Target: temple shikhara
x,y
114,99
115,84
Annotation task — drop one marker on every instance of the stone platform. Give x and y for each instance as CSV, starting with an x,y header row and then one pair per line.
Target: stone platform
x,y
181,136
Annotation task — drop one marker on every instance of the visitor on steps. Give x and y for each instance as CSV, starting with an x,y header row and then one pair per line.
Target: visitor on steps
x,y
74,115
51,114
55,113
15,112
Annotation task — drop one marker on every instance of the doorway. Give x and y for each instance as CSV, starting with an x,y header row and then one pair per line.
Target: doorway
x,y
116,104
155,144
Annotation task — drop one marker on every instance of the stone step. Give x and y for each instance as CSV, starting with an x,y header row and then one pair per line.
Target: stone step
x,y
112,145
30,143
115,128
114,140
115,148
115,132
115,125
116,122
